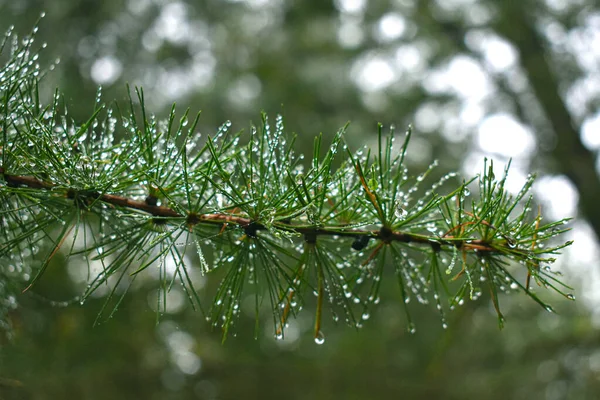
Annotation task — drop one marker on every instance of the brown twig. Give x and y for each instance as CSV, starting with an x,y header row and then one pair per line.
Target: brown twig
x,y
222,219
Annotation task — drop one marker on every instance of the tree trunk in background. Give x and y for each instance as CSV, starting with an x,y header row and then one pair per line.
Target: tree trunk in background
x,y
572,158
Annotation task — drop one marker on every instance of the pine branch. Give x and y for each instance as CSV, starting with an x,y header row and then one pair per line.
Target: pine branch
x,y
120,194
252,227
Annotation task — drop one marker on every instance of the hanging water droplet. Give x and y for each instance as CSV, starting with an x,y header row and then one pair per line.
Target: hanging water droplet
x,y
320,338
412,329
512,243
400,212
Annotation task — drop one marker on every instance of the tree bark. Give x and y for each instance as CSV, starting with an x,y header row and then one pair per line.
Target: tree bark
x,y
573,159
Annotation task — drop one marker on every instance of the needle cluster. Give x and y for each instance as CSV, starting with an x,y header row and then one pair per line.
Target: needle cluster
x,y
124,195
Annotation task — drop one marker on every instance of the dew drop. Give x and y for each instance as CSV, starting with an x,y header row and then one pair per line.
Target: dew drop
x,y
412,329
320,338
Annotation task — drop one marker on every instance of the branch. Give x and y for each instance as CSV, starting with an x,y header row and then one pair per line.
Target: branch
x,y
278,226
167,213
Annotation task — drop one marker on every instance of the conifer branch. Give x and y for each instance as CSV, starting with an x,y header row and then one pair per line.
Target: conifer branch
x,y
220,218
120,194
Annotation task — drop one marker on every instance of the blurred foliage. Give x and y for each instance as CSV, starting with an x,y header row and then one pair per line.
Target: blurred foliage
x,y
305,59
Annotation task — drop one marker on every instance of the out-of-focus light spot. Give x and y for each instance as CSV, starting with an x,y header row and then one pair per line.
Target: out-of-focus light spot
x,y
463,76
151,41
409,58
244,90
516,80
472,11
201,37
421,150
581,93
555,33
373,74
172,23
82,275
452,129
583,43
557,5
474,164
174,302
594,361
467,78
202,69
471,113
590,132
351,6
499,54
375,101
177,82
253,23
559,194
516,179
581,260
187,362
106,70
179,340
427,118
138,7
390,27
501,134
291,334
256,4
478,14
350,33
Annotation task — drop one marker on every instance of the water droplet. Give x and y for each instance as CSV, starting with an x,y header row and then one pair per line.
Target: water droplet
x,y
320,338
412,328
400,212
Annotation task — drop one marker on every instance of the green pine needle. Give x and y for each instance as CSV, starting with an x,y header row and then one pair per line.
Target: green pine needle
x,y
129,193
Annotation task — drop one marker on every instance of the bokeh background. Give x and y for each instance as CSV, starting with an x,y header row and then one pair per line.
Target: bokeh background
x,y
503,79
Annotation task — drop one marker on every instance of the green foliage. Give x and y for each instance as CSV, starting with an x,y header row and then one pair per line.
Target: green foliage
x,y
126,195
